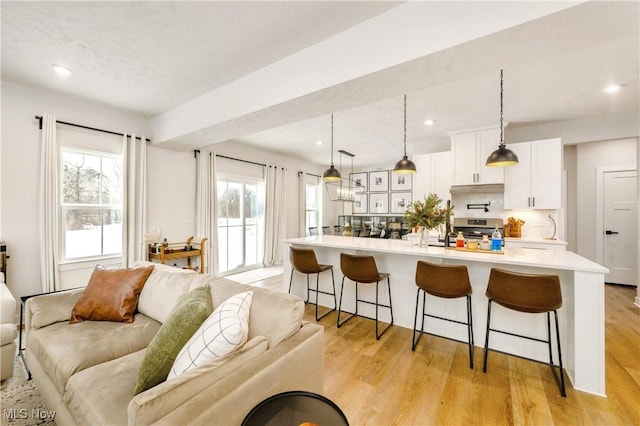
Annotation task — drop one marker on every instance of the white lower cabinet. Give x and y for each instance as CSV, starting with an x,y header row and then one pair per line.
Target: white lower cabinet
x,y
536,244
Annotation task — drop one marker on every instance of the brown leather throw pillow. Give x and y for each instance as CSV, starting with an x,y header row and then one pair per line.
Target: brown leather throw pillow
x,y
111,295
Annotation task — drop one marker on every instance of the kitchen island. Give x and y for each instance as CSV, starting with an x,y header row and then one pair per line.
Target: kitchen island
x,y
581,317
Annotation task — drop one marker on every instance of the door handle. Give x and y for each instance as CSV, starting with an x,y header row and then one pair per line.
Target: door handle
x,y
611,232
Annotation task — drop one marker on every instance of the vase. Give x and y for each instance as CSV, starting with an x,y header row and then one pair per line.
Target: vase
x,y
346,233
423,241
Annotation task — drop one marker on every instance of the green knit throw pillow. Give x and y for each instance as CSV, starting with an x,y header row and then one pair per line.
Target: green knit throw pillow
x,y
186,317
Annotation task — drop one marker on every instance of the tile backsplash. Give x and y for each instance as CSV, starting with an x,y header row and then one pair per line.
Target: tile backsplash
x,y
537,222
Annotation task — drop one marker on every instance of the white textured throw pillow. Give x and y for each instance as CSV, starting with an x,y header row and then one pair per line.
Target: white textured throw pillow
x,y
223,332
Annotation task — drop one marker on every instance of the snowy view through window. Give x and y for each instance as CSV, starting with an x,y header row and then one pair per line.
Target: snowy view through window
x,y
91,204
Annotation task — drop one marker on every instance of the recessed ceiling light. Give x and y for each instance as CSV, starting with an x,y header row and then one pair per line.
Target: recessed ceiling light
x,y
612,88
429,122
61,69
319,143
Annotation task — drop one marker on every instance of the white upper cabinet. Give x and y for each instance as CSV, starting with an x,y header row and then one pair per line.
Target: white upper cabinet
x,y
536,182
470,151
433,175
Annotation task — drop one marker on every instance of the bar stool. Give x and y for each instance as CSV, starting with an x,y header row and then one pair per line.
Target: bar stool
x,y
529,294
446,281
362,269
326,230
305,262
313,230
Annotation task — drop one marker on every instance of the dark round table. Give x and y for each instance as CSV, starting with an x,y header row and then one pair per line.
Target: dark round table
x,y
296,408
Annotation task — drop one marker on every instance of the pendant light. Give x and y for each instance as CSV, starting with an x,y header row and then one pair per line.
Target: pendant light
x,y
502,156
405,166
331,174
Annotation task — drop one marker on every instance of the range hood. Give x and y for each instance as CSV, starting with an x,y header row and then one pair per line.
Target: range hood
x,y
489,188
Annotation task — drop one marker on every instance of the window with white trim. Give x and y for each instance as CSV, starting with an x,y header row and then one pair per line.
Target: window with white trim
x,y
313,206
91,197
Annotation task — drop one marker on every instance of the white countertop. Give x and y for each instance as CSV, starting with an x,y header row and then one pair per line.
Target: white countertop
x,y
552,259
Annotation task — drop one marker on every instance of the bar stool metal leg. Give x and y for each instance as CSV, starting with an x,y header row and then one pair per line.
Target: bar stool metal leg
x,y
378,336
338,323
414,342
563,391
470,331
486,338
317,290
291,280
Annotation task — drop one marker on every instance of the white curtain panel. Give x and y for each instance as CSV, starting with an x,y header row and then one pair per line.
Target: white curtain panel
x,y
302,205
275,215
134,209
206,211
49,217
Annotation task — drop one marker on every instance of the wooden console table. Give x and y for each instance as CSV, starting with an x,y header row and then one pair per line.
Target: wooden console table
x,y
194,247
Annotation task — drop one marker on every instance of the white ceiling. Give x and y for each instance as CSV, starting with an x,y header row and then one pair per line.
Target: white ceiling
x,y
155,57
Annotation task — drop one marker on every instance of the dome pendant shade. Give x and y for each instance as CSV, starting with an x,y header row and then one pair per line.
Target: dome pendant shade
x,y
331,174
502,157
405,166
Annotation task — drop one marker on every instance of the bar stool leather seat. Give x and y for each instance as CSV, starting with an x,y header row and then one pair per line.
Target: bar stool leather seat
x,y
304,261
448,282
362,269
528,294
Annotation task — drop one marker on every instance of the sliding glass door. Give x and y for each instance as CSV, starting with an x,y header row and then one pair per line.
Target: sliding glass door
x,y
240,224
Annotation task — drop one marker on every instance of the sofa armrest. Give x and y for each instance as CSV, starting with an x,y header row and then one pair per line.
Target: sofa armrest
x,y
8,303
294,363
50,308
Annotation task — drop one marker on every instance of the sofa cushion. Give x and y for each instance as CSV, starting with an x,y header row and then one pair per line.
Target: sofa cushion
x,y
154,404
111,295
161,292
222,333
191,310
64,349
100,395
274,315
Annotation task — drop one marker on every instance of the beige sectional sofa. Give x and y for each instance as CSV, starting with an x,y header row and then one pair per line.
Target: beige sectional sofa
x,y
87,371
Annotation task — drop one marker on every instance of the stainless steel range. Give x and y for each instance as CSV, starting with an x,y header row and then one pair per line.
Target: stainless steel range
x,y
475,228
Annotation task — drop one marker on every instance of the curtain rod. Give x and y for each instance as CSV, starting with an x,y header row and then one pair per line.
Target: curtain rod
x,y
238,159
39,118
197,151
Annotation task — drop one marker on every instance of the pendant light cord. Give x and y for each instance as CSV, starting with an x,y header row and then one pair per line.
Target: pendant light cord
x,y
501,126
331,139
405,125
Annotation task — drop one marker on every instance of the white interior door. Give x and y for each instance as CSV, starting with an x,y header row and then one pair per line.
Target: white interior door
x,y
620,219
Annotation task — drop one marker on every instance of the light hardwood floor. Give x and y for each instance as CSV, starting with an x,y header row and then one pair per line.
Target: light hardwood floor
x,y
385,383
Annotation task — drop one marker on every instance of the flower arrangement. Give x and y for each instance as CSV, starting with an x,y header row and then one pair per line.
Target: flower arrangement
x,y
427,214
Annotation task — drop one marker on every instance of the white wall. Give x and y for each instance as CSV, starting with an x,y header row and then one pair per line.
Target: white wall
x,y
590,129
171,193
20,167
